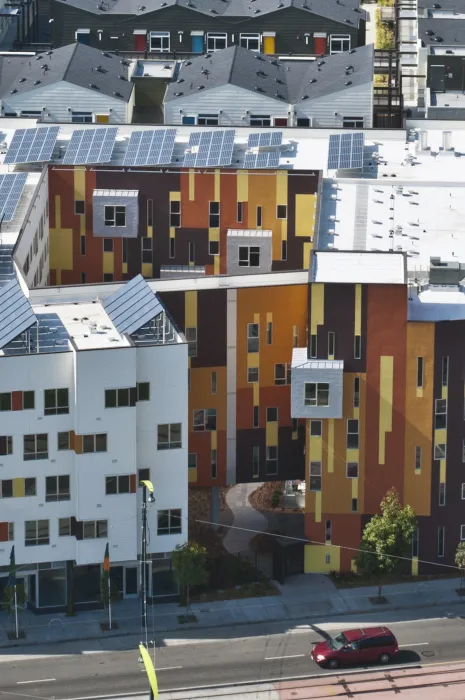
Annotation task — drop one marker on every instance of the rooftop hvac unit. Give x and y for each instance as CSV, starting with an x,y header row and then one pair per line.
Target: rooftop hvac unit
x,y
447,140
424,140
334,196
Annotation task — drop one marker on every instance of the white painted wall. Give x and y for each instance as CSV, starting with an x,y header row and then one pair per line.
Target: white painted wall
x,y
38,209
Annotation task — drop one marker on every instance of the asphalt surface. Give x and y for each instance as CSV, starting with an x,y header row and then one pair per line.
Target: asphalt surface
x,y
215,657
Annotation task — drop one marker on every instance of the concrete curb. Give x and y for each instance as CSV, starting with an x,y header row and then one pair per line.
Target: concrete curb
x,y
199,626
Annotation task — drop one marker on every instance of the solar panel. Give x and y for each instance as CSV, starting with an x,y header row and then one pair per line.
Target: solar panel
x,y
267,138
132,306
150,147
90,146
346,151
209,148
268,159
32,145
16,314
11,189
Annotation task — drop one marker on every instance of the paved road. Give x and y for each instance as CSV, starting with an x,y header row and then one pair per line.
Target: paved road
x,y
225,656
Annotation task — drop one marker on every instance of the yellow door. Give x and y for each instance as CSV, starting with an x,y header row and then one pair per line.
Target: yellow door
x,y
102,118
268,44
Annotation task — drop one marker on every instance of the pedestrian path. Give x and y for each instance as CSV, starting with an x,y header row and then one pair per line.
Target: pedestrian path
x,y
245,516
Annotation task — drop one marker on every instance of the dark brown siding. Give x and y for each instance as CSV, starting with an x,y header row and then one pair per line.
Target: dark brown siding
x,y
290,455
211,329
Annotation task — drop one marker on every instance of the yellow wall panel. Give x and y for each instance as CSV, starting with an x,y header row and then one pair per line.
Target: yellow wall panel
x,y
315,559
281,187
272,433
18,488
318,507
214,234
307,250
256,394
124,268
386,389
316,449
214,440
192,475
175,196
147,270
79,184
61,243
149,231
217,187
305,207
331,445
242,186
358,310
190,310
216,265
191,185
414,566
317,311
109,263
253,359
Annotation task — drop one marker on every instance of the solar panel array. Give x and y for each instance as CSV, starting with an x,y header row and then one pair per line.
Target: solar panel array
x,y
346,151
269,159
150,147
209,148
16,314
90,146
32,145
132,306
267,138
11,189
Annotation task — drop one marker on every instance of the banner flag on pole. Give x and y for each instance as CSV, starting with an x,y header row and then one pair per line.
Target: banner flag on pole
x,y
12,574
149,667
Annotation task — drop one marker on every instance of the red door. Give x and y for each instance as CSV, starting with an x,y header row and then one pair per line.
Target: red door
x,y
319,45
140,42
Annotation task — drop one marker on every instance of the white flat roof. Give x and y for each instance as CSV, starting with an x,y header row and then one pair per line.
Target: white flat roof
x,y
300,360
364,268
437,304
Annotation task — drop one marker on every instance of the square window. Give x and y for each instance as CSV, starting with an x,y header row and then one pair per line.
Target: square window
x,y
316,394
252,375
143,391
271,414
216,41
64,527
192,460
108,245
250,41
159,42
315,476
5,402
440,451
214,248
352,470
143,475
281,211
28,400
316,428
352,434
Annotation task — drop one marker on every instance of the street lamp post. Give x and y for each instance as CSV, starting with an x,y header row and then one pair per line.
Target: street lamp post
x,y
147,497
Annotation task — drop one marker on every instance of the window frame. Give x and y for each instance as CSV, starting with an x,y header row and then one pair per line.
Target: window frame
x,y
60,493
418,458
7,440
445,370
253,341
61,522
356,392
190,334
120,480
260,120
209,415
420,372
352,464
94,437
255,461
172,442
175,216
212,38
343,39
171,528
111,218
441,540
37,540
251,258
246,38
316,428
253,375
440,414
37,454
161,36
279,215
214,214
315,481
442,494
272,408
271,460
97,524
437,451
317,400
353,123
143,388
353,433
208,119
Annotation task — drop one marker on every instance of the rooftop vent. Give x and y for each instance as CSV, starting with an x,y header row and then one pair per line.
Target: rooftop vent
x,y
36,82
178,94
122,77
12,92
92,85
107,55
201,87
205,71
22,80
208,55
117,94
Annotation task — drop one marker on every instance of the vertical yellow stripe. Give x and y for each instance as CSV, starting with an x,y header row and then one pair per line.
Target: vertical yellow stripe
x,y
256,318
307,249
331,445
354,488
214,439
191,185
272,433
318,507
444,392
18,488
172,232
386,388
414,566
442,471
82,225
175,196
79,184
147,270
217,186
216,265
149,231
242,186
256,394
269,317
190,311
109,263
317,307
281,187
358,310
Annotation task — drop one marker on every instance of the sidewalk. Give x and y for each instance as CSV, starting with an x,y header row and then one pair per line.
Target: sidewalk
x,y
302,597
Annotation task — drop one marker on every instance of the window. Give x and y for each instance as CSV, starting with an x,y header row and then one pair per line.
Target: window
x,y
352,434
445,371
108,277
442,494
441,540
252,375
94,443
117,484
356,392
357,347
119,398
260,120
253,340
463,492
352,122
250,41
213,383
125,250
283,250
115,215
216,41
37,532
313,346
295,336
420,372
6,488
440,414
159,41
6,445
192,460
418,456
11,532
415,542
339,43
255,461
440,451
56,402
281,211
191,252
191,337
269,333
57,488
108,245
271,464
64,527
213,464
175,213
315,476
259,217
143,474
5,401
256,417
272,414
214,215
331,344
282,373
249,256
95,529
147,251
79,207
204,419
328,530
81,118
143,391
316,394
169,436
354,505
208,120
462,533
35,446
169,522
316,428
150,212
213,247
239,212
303,122
82,242
352,470
172,248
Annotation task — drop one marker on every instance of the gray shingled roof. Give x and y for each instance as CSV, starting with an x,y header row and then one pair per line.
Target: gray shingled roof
x,y
441,32
347,12
76,63
288,82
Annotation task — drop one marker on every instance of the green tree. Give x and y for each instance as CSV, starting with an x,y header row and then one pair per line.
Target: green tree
x,y
387,537
460,560
189,561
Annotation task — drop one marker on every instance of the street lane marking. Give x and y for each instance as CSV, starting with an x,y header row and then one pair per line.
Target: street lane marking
x,y
291,656
166,668
415,644
41,680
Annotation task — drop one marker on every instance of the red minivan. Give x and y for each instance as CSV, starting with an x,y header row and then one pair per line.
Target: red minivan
x,y
371,644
